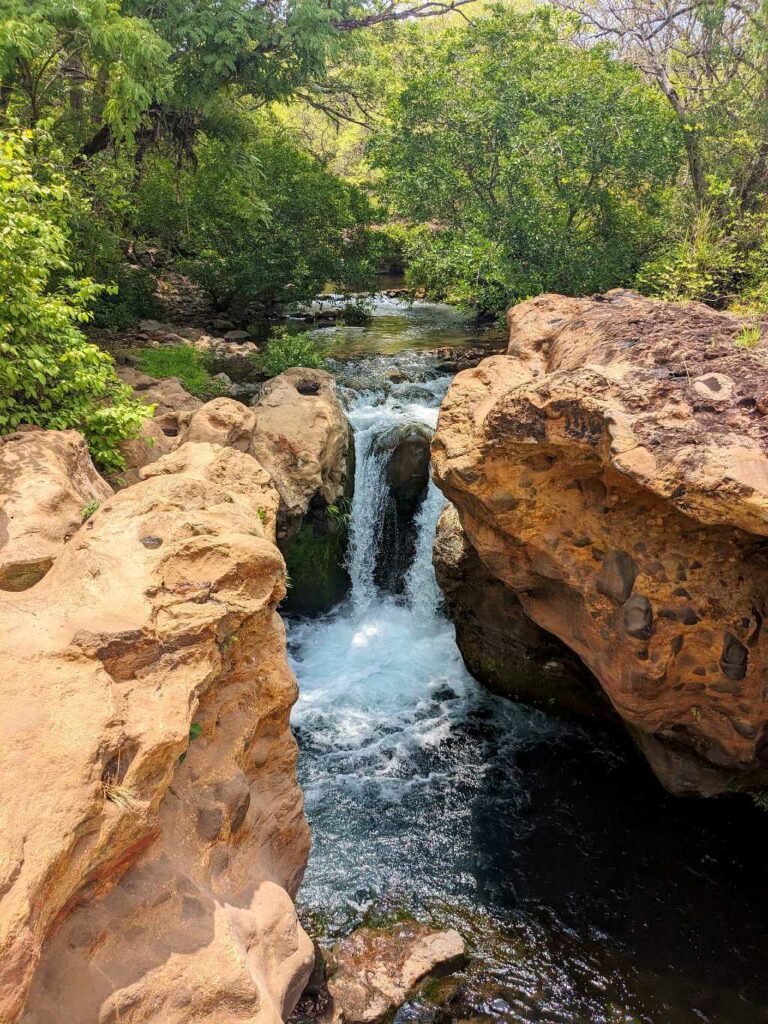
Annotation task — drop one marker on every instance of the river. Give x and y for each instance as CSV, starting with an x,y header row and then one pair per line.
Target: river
x,y
585,893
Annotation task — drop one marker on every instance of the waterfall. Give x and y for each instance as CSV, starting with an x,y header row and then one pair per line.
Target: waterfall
x,y
372,417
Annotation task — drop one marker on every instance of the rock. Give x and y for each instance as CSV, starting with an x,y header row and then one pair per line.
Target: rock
x,y
247,482
221,326
405,451
222,421
151,444
173,403
611,470
316,561
47,482
236,336
160,433
151,826
304,441
501,647
375,970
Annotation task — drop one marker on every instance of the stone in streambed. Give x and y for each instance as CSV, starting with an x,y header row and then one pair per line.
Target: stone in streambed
x,y
406,477
375,970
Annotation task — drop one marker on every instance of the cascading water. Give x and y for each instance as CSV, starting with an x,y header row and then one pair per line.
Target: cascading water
x,y
586,894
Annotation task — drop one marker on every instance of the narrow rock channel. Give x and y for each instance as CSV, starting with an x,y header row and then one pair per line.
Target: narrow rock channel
x,y
585,892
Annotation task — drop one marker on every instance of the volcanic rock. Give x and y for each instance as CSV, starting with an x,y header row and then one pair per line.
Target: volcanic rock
x,y
611,470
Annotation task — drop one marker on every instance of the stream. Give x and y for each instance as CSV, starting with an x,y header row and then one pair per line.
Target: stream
x,y
584,892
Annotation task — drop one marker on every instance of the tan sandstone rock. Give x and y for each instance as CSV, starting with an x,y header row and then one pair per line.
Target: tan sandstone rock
x,y
303,439
501,647
151,826
161,432
173,403
374,970
222,421
246,481
47,480
600,473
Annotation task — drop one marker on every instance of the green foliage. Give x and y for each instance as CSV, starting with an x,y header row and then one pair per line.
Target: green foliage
x,y
184,362
258,220
357,314
89,510
285,350
699,267
721,262
538,166
49,374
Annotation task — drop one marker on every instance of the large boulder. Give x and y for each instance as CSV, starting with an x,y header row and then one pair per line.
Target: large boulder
x,y
404,453
151,825
48,486
612,470
222,421
304,441
161,432
501,647
173,404
374,970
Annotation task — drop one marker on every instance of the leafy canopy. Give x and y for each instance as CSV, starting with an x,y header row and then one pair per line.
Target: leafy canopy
x,y
537,165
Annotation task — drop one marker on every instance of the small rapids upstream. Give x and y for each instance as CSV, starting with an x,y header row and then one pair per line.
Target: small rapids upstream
x,y
585,894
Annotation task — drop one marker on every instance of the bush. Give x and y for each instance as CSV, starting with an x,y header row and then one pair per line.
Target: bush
x,y
357,314
50,375
284,350
184,362
259,220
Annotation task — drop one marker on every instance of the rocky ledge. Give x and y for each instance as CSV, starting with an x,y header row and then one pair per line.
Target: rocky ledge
x,y
152,832
611,472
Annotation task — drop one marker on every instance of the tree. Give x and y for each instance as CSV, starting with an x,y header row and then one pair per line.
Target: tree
x,y
709,59
106,70
536,165
258,220
50,375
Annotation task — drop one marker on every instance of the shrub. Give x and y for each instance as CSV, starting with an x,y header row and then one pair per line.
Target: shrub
x,y
357,314
50,375
184,362
700,267
284,350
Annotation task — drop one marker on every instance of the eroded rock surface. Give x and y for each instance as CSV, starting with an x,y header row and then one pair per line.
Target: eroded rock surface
x,y
151,826
303,439
47,484
502,648
374,970
611,470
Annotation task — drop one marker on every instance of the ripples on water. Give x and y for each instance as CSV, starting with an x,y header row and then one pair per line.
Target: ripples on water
x,y
585,893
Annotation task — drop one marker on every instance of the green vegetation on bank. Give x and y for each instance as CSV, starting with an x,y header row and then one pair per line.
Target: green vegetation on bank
x,y
182,361
286,349
264,150
50,376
